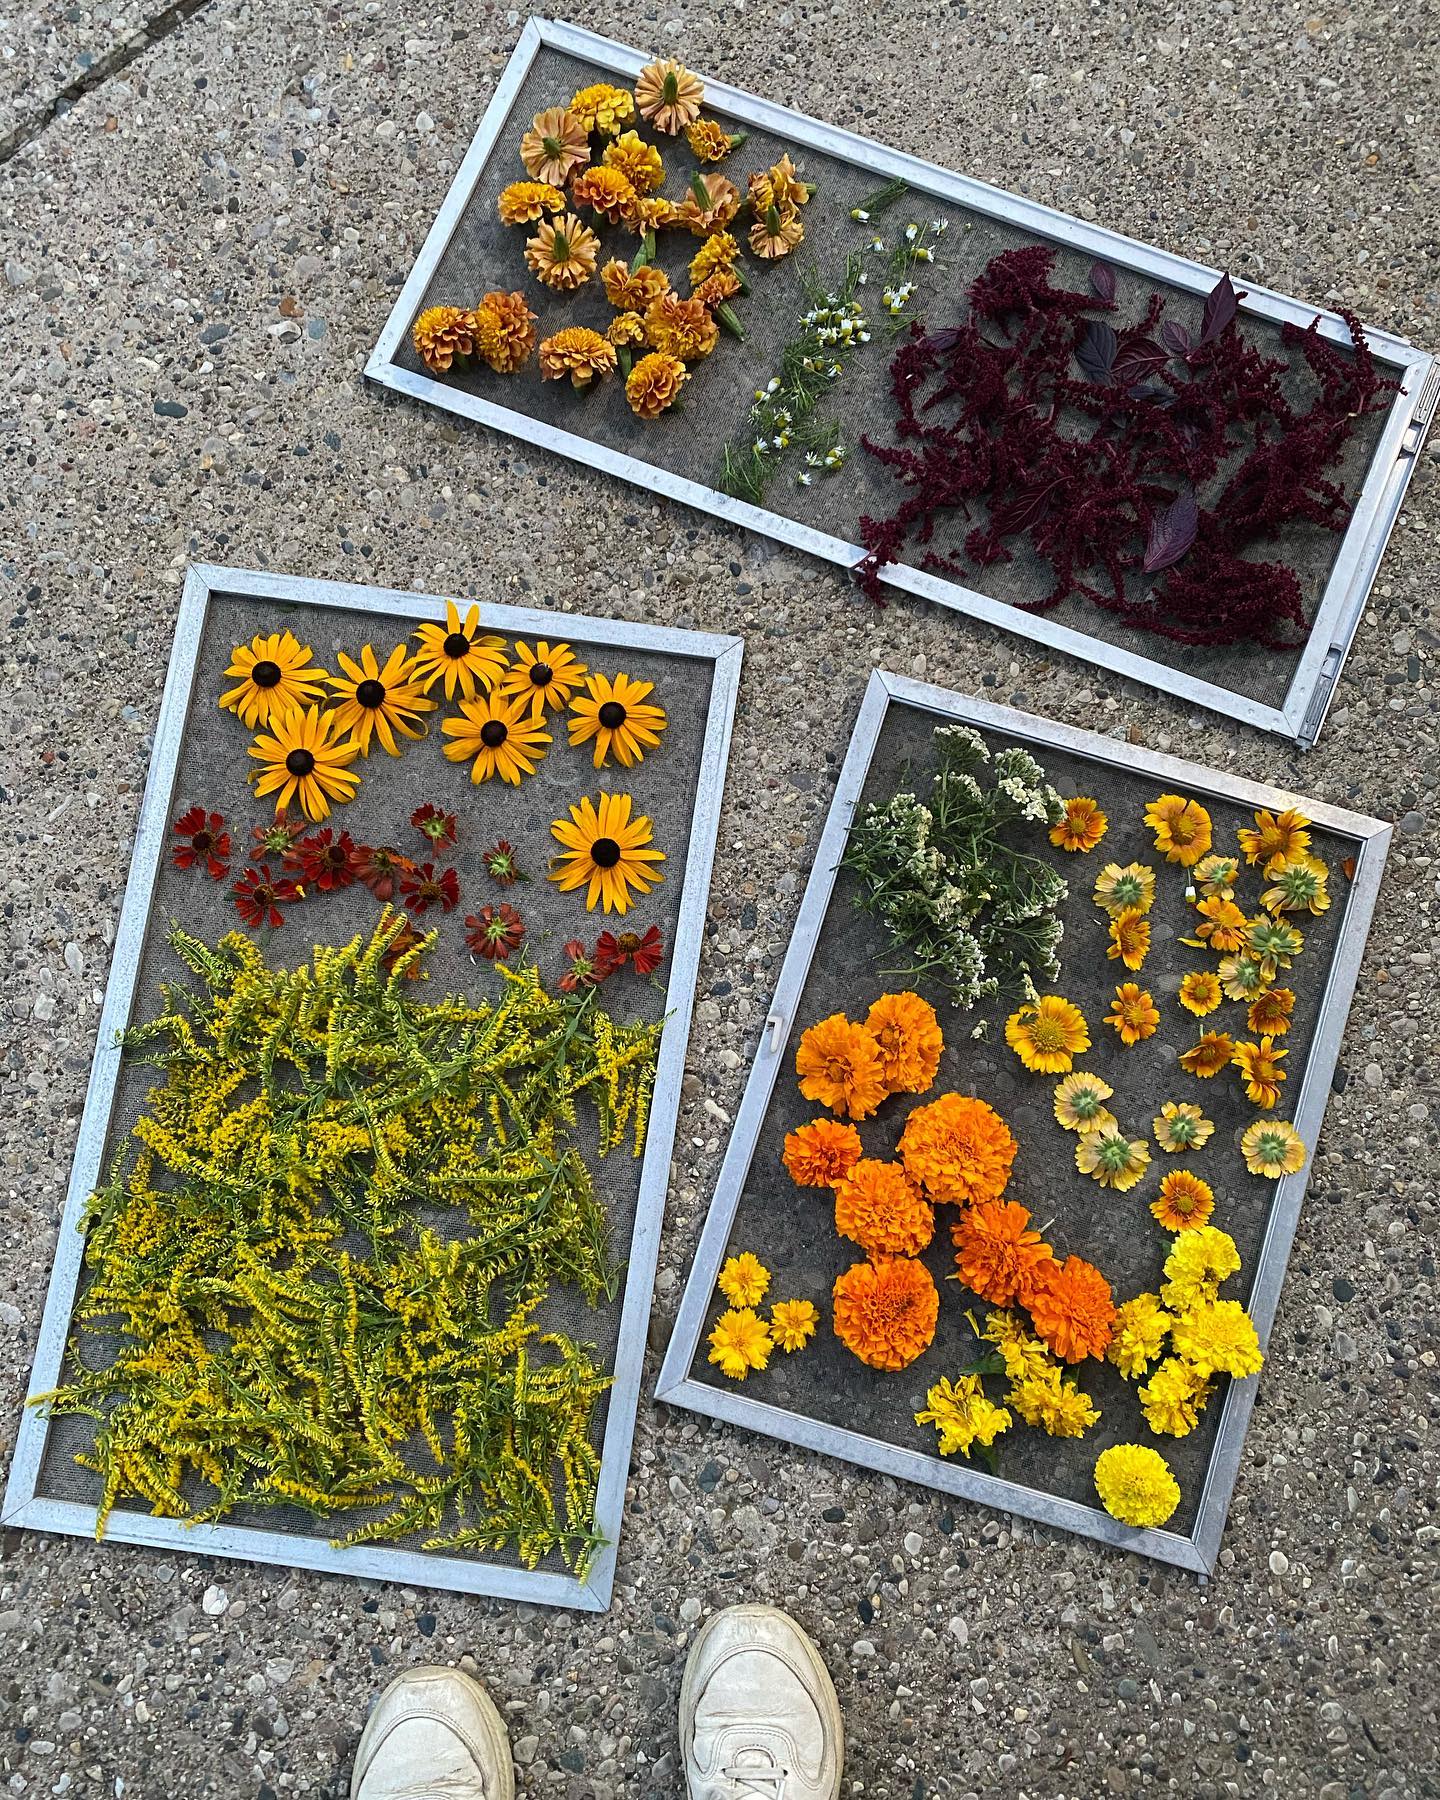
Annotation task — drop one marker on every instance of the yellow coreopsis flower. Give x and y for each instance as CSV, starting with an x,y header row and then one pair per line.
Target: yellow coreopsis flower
x,y
744,1280
739,1343
793,1323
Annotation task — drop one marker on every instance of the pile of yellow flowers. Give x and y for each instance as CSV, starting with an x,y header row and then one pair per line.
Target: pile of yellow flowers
x,y
742,1340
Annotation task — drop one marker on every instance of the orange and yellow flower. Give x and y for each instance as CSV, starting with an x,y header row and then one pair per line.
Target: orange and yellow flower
x,y
602,107
1208,1057
1134,1014
441,335
577,352
1269,1014
669,96
959,1149
1130,888
1259,1066
496,736
1080,1103
839,1066
910,1041
885,1311
1182,828
997,1253
822,1153
1276,837
555,145
1181,1127
523,202
653,385
505,333
1272,1148
606,849
1047,1034
880,1208
562,253
371,699
605,191
640,163
1185,1202
300,759
1113,1159
1129,939
1081,826
1222,925
632,290
1071,1309
1200,992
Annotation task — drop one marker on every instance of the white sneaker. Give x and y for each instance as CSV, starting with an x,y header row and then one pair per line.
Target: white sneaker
x,y
759,1719
434,1735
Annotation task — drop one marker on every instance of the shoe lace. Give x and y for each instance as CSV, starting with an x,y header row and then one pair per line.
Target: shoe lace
x,y
756,1784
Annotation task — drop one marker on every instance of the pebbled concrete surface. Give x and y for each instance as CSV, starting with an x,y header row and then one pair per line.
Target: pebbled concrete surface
x,y
193,293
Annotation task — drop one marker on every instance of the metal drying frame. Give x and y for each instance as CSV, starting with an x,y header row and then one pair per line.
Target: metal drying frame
x,y
1337,618
24,1505
1196,1551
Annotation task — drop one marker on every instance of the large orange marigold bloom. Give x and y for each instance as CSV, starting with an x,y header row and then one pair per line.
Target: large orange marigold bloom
x,y
1071,1309
822,1153
910,1040
996,1252
885,1311
838,1063
880,1208
959,1149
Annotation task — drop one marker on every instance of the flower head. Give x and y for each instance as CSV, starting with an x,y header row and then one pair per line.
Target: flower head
x,y
997,1252
525,201
380,867
653,385
885,1311
717,255
739,1343
1217,874
435,825
1115,1161
1200,992
1081,826
1180,1127
1297,884
1269,1013
379,700
259,895
1184,1202
556,144
505,334
1135,1485
680,328
744,1280
1181,827
1272,1148
1080,1103
443,335
640,163
1134,1015
1209,1056
605,849
322,860
276,836
1173,1398
300,760
402,953
458,653
603,108
605,191
1222,924
494,932
578,352
1127,889
1259,1066
1129,938
669,96
544,676
910,1042
721,202
1199,1261
838,1063
582,970
1272,944
626,330
709,142
497,734
880,1208
617,718
502,865
274,676
632,290
424,886
644,950
201,837
1218,1337
1071,1309
793,1323
1243,977
1140,1328
780,185
959,1149
822,1153
1057,1406
563,253
1276,837
1023,1355
1047,1034
777,230
962,1415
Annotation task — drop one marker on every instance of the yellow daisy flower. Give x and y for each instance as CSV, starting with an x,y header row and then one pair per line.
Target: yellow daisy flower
x,y
1048,1034
1185,1202
1182,828
1222,925
1259,1066
1200,992
1181,1127
1114,1160
739,1343
1216,876
1298,884
1269,1014
793,1323
1081,826
1207,1058
619,716
300,760
457,654
1129,939
1080,1103
606,851
377,701
275,676
496,736
1276,837
1243,978
1133,1014
744,1280
545,677
1127,889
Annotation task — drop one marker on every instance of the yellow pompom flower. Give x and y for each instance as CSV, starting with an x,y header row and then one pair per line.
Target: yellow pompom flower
x,y
709,142
441,335
1134,1014
792,1324
605,191
739,1343
1024,1356
681,328
1180,1127
1081,826
1135,1485
1272,1148
1048,1034
1200,992
1139,1336
653,385
1080,1103
1129,939
1174,1398
962,1416
640,163
1057,1406
717,255
1199,1261
603,108
1114,1160
505,334
1218,1338
744,1280
523,202
1127,889
1182,828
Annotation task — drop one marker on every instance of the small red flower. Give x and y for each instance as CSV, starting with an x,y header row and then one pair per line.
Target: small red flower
x,y
276,836
423,888
494,932
584,971
438,826
259,895
405,939
502,865
323,860
380,868
202,837
613,950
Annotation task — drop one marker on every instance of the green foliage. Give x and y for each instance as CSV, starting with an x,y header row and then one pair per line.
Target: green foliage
x,y
299,1324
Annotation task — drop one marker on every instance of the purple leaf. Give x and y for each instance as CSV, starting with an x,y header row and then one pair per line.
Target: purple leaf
x,y
1175,338
1096,351
1221,307
1027,509
1137,359
1171,534
1102,283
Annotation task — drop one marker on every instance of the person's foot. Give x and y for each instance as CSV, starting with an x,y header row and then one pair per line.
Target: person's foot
x,y
759,1719
434,1735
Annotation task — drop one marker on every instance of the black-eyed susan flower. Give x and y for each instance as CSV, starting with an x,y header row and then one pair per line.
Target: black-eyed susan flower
x,y
1297,884
201,837
1129,939
1047,1034
1114,1160
744,1280
1127,889
1081,826
1133,1014
375,702
458,653
1269,1014
1179,1126
544,676
1184,1202
793,1323
1209,1056
1182,828
618,717
497,734
1200,992
1272,1148
301,760
669,96
1080,1103
740,1342
274,675
1259,1066
1276,837
606,849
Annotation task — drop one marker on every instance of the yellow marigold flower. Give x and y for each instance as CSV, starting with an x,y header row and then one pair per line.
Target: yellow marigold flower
x,y
640,163
908,1033
1209,1056
959,1149
1200,992
619,717
1023,1354
607,851
1259,1066
717,253
274,676
440,335
1181,1127
722,202
1184,1203
822,1153
1127,889
1181,827
578,352
1174,1398
632,290
669,96
1047,1034
1129,939
708,141
652,212
1269,1014
723,285
1059,1407
1134,1014
744,1280
1298,884
783,183
1217,874
1135,1485
1199,1261
1081,826
1218,1339
505,332
838,1063
555,144
1272,1148
1114,1160
563,253
1140,1328
885,1311
880,1208
793,1323
776,232
1080,1103
1276,837
680,328
654,384
962,1416
626,329
740,1343
1222,924
605,191
525,201
603,108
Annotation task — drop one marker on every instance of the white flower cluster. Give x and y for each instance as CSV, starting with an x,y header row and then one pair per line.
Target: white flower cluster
x,y
917,244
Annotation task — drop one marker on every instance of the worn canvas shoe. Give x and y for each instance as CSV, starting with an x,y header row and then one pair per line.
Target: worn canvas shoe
x,y
759,1719
434,1735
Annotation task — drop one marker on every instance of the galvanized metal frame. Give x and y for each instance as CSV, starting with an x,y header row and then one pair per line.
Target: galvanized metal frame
x,y
1377,506
1196,1552
23,1504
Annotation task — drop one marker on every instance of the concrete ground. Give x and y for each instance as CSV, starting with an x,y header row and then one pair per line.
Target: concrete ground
x,y
197,255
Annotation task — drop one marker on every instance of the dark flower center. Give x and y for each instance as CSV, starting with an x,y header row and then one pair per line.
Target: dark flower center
x,y
493,733
457,645
612,715
605,853
333,857
541,674
300,762
202,840
266,674
371,694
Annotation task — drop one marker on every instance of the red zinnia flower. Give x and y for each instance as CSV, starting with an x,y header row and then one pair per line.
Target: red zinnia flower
x,y
202,836
502,865
405,939
423,888
584,971
494,932
259,895
323,859
614,950
431,822
380,868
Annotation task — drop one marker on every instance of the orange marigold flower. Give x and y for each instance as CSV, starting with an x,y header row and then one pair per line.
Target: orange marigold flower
x,y
578,352
654,384
605,191
910,1040
1209,1056
1129,938
959,1149
885,1311
1185,1201
1070,1307
525,201
708,141
669,96
640,163
563,252
722,203
1134,1014
1259,1066
880,1208
997,1254
776,232
1181,827
1081,827
822,1153
838,1063
1269,1014
632,290
681,328
715,289
505,332
1276,837
441,334
626,328
555,144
